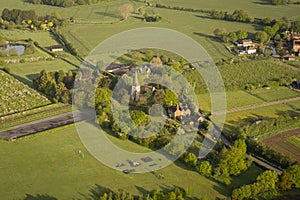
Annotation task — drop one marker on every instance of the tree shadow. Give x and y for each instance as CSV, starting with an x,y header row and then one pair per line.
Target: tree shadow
x,y
96,192
263,2
23,80
39,197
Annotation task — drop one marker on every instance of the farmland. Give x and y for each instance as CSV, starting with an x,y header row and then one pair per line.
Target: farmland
x,y
286,143
55,163
17,97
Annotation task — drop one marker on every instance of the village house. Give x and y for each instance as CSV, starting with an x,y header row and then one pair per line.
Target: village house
x,y
56,48
296,43
246,46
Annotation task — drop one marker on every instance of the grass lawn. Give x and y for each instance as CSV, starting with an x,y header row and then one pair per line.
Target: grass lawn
x,y
199,28
274,94
234,120
49,164
256,8
26,72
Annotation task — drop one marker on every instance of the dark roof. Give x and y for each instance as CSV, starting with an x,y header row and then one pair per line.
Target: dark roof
x,y
56,46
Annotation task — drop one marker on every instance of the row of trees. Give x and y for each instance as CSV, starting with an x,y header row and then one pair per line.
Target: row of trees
x,y
64,3
237,15
172,194
55,85
269,183
17,15
229,162
225,36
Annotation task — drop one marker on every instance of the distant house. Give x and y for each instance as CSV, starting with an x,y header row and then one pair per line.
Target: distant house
x,y
296,43
251,50
244,43
56,48
290,58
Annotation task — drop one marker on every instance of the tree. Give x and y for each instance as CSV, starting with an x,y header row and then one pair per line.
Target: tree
x,y
204,168
170,98
290,178
241,34
267,180
190,159
233,37
261,37
126,10
218,32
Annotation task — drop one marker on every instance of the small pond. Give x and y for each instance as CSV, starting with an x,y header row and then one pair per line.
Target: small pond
x,y
20,48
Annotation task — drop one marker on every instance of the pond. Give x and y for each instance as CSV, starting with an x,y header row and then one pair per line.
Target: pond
x,y
19,48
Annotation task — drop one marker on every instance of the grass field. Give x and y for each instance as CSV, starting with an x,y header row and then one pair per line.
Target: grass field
x,y
274,94
26,72
17,97
49,164
199,28
256,8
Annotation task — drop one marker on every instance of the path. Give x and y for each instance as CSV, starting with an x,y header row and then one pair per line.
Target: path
x,y
42,125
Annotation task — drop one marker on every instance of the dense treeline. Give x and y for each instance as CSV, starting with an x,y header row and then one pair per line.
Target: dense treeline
x,y
268,184
55,85
17,15
229,162
64,3
29,19
174,193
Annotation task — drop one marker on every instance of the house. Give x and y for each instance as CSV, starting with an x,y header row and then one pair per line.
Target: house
x,y
56,48
290,58
244,43
251,50
296,43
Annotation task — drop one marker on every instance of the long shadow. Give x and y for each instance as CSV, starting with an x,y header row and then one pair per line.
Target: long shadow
x,y
263,2
39,197
23,80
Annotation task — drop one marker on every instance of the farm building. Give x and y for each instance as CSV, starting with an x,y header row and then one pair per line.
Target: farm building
x,y
296,43
251,50
244,43
56,48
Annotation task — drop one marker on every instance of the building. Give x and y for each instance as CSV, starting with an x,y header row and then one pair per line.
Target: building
x,y
56,48
135,88
244,43
251,50
296,43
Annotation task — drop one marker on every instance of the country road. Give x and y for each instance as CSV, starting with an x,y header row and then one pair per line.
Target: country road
x,y
42,125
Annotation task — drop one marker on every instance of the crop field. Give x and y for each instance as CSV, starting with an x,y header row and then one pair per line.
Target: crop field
x,y
287,143
17,97
256,8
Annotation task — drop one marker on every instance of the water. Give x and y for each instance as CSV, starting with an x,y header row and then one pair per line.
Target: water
x,y
20,48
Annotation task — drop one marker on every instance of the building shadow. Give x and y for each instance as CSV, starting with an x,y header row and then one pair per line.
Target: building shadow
x,y
39,197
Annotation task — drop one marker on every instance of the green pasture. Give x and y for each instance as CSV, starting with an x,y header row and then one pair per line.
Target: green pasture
x,y
199,28
237,119
26,72
256,8
274,94
49,164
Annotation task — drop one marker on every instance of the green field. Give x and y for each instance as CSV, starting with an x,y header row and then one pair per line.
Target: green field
x,y
17,97
49,164
26,72
237,119
256,8
274,94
